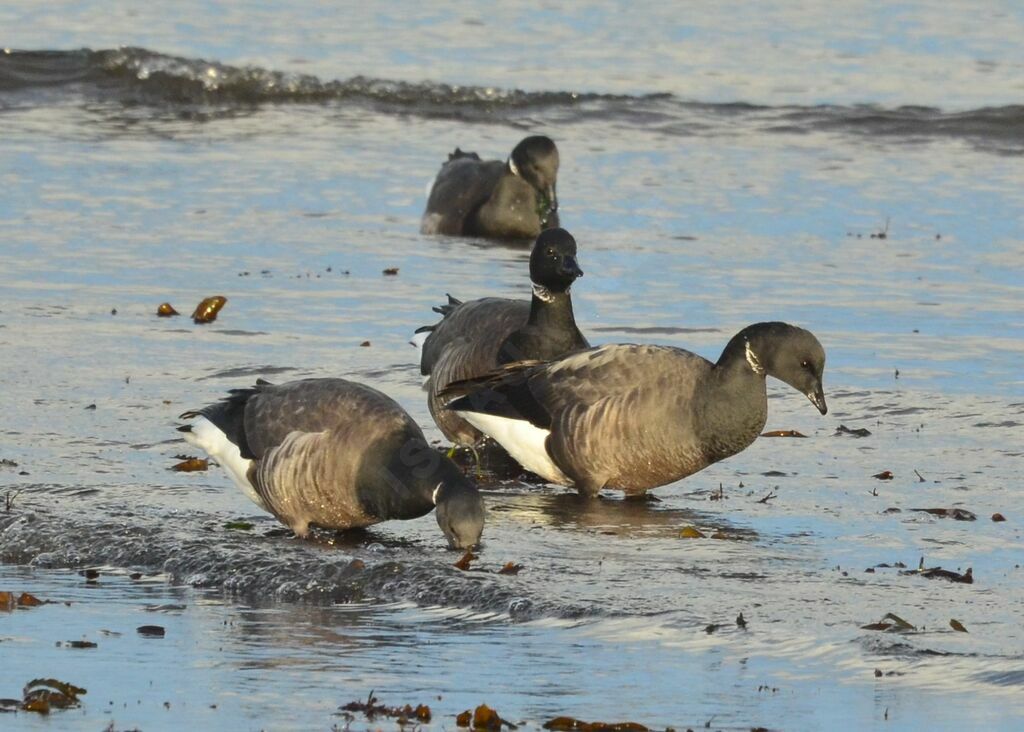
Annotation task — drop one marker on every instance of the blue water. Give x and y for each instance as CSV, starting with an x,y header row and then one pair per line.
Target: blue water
x,y
236,151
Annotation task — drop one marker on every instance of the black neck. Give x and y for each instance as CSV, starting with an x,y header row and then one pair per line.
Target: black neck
x,y
406,482
553,310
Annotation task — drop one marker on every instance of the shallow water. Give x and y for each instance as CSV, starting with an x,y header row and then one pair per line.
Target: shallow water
x,y
707,188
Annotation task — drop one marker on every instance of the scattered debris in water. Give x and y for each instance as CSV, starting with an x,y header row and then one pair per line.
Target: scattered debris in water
x,y
691,532
91,575
771,494
238,526
920,478
206,311
958,514
563,724
364,344
884,475
844,430
166,310
482,718
191,465
510,568
997,517
391,271
151,631
892,623
5,463
741,621
957,625
783,433
711,628
403,715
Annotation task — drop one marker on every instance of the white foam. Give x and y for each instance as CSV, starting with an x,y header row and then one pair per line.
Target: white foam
x,y
208,437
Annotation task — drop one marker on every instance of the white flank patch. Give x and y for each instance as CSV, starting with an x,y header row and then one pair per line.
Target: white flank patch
x,y
417,341
430,223
208,437
522,440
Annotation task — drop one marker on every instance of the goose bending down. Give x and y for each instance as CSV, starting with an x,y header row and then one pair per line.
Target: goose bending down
x,y
476,337
335,454
634,417
512,199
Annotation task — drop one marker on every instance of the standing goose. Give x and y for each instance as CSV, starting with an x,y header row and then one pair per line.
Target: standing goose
x,y
477,336
514,199
633,417
335,454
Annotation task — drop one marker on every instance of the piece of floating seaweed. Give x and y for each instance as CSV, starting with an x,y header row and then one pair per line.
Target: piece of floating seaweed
x,y
891,623
783,433
858,432
569,723
206,311
43,695
482,718
465,561
402,715
958,514
940,573
9,601
191,465
78,644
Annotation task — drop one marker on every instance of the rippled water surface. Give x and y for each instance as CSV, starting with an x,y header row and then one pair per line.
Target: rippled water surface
x,y
858,174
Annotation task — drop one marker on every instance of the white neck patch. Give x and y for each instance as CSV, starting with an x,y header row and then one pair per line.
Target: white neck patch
x,y
513,168
542,293
433,497
753,360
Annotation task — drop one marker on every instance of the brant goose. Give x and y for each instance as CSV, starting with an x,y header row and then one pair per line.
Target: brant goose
x,y
634,417
515,199
335,454
477,336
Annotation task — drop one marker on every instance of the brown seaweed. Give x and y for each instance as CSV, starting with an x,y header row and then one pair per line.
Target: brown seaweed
x,y
206,311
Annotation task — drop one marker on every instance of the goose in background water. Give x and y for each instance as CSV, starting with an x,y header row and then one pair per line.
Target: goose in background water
x,y
514,199
634,417
334,454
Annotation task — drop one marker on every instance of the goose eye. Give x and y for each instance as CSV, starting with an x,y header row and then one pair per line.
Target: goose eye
x,y
551,252
805,364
